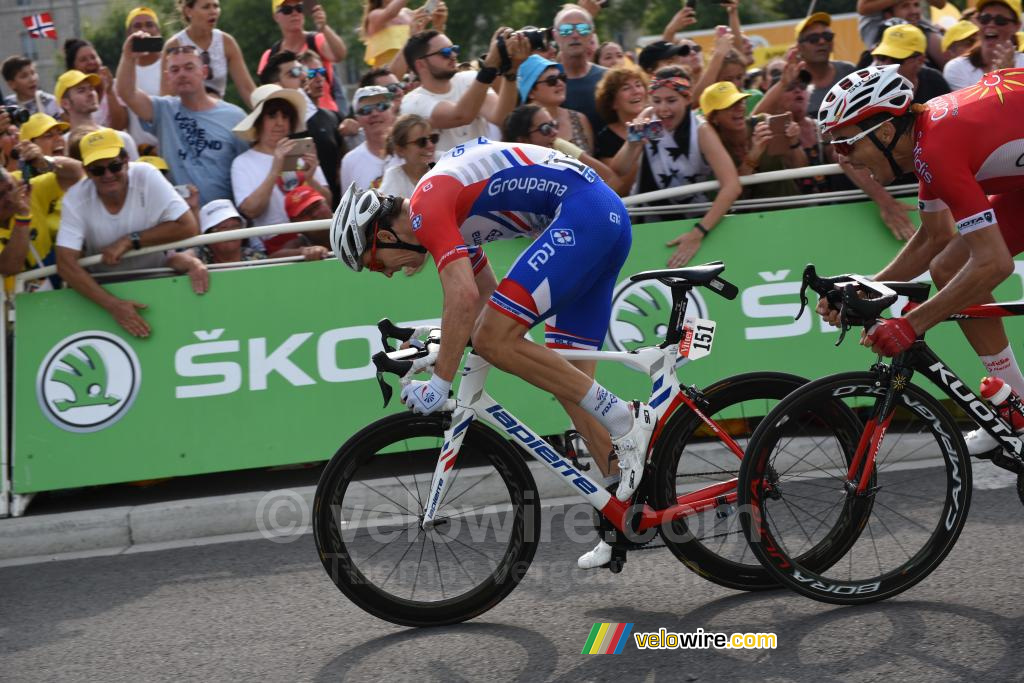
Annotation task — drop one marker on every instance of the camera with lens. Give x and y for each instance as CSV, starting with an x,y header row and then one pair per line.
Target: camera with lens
x,y
539,39
18,115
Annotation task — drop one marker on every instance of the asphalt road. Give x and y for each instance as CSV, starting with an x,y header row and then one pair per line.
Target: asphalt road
x,y
260,610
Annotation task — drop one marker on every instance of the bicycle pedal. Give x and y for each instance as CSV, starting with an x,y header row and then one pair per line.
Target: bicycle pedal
x,y
618,559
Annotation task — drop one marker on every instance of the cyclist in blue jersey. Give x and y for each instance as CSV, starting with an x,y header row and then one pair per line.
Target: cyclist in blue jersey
x,y
485,191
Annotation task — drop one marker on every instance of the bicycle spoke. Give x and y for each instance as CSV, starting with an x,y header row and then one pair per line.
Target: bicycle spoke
x,y
399,562
419,563
388,498
471,487
437,565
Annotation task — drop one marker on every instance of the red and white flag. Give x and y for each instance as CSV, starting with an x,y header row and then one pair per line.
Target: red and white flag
x,y
40,26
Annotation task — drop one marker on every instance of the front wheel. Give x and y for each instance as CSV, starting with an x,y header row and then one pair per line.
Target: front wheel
x,y
866,542
368,512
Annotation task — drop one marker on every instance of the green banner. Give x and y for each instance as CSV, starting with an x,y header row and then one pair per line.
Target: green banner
x,y
271,366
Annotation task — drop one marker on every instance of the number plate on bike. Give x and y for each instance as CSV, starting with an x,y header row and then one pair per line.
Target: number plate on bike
x,y
698,335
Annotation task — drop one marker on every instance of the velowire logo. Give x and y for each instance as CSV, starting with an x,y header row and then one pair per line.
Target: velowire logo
x,y
640,312
88,381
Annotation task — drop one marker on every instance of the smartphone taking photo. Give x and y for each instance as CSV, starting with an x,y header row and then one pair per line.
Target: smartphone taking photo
x,y
150,44
303,146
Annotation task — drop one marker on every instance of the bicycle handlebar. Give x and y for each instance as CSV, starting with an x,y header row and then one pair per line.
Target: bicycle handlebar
x,y
408,361
859,300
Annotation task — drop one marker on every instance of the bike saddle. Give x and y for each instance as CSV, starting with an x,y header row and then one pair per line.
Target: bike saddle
x,y
694,275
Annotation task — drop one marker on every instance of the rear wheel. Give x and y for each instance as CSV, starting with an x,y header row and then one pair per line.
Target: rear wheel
x,y
367,522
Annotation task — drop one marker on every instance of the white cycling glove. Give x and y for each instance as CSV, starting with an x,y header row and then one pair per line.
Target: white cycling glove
x,y
426,397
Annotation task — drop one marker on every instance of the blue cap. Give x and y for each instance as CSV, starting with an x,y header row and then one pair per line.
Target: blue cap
x,y
530,71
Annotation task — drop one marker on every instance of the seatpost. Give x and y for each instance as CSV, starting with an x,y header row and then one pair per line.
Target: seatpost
x,y
675,321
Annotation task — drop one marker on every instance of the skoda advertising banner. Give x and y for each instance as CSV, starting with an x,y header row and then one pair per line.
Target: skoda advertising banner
x,y
272,365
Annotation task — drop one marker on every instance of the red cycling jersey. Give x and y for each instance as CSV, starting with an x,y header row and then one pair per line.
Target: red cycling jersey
x,y
969,145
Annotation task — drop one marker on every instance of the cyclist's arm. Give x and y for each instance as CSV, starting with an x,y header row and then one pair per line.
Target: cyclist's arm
x,y
913,259
461,306
989,264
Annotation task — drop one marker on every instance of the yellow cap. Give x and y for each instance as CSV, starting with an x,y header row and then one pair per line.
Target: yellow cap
x,y
1020,41
101,144
816,18
721,95
1013,5
136,12
69,79
155,162
38,124
958,31
901,41
274,4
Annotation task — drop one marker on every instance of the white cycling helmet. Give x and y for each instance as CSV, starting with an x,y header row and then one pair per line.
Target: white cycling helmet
x,y
356,212
863,94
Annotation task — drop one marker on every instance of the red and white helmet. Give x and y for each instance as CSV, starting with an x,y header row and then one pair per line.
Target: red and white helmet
x,y
863,94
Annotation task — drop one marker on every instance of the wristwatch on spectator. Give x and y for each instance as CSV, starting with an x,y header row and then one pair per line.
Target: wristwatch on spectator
x,y
136,241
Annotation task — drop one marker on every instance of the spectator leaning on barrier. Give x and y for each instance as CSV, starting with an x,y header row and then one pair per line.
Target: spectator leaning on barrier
x,y
960,38
194,129
302,204
414,142
23,80
290,17
542,81
621,96
219,216
573,27
814,41
366,164
76,91
226,58
80,55
904,45
999,21
459,104
122,206
261,176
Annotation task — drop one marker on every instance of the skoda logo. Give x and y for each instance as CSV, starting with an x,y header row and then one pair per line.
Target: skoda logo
x,y
640,312
88,381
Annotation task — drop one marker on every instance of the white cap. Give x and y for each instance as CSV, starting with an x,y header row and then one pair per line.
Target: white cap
x,y
216,212
369,91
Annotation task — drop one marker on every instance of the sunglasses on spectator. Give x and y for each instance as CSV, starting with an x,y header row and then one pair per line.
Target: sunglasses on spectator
x,y
395,88
553,80
446,52
547,129
368,109
685,50
296,71
319,71
423,141
183,49
997,19
99,171
289,9
567,29
815,38
845,146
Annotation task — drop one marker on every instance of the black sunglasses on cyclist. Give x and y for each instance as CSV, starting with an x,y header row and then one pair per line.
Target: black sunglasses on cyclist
x,y
368,109
446,52
289,9
547,129
319,71
423,141
997,19
815,38
553,80
99,171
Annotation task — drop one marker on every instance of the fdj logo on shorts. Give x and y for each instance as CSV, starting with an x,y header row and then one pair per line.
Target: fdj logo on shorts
x,y
88,381
640,313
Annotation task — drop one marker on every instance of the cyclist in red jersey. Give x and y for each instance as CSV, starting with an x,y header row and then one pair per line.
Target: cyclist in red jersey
x,y
967,149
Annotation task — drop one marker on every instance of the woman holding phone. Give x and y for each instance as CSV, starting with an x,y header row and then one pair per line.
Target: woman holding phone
x,y
225,57
277,162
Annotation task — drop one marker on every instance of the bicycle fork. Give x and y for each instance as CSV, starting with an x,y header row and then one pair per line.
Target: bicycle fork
x,y
862,465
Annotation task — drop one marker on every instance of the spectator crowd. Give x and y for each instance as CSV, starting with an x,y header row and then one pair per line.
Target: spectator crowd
x,y
147,152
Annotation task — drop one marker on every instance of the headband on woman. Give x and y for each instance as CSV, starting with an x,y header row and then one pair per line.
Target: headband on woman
x,y
677,83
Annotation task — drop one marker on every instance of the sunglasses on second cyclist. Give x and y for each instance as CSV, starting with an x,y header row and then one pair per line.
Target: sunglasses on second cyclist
x,y
289,9
997,19
422,142
367,109
99,171
553,80
845,145
446,52
567,29
815,38
547,129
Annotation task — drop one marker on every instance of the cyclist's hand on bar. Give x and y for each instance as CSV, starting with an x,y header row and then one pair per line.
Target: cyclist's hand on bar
x,y
426,397
890,337
830,314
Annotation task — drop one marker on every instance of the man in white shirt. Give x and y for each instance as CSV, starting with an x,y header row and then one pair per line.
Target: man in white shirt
x,y
121,207
365,165
459,104
76,92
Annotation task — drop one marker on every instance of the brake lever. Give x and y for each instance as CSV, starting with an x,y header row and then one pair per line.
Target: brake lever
x,y
385,389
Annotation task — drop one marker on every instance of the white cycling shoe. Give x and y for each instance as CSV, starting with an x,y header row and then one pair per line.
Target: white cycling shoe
x,y
596,558
631,450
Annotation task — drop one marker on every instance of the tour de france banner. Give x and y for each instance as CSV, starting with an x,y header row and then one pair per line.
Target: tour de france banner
x,y
272,365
